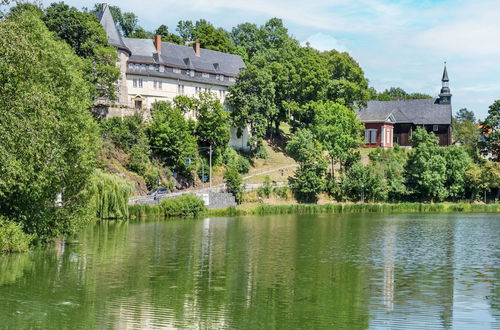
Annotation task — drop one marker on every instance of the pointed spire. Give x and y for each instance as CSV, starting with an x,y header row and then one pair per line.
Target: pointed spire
x,y
445,95
445,74
108,23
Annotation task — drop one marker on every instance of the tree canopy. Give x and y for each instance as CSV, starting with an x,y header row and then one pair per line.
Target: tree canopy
x,y
49,139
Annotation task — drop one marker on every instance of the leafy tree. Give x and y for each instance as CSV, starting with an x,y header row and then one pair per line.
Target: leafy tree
x,y
140,33
186,30
49,139
248,36
170,135
426,167
308,180
458,163
234,182
397,93
88,40
464,115
337,128
206,34
466,132
366,180
490,129
167,36
252,100
391,163
128,24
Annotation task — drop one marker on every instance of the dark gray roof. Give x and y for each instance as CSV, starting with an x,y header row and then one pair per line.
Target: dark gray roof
x,y
153,73
106,19
184,57
418,112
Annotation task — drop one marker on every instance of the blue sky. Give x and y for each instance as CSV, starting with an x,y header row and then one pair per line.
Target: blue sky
x,y
397,43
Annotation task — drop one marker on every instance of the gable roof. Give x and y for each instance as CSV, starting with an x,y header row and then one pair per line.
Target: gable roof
x,y
106,19
184,57
417,112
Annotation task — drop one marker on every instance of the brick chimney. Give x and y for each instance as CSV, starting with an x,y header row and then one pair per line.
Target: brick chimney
x,y
158,43
197,49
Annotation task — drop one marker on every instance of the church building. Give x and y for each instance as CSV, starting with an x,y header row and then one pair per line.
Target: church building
x,y
392,122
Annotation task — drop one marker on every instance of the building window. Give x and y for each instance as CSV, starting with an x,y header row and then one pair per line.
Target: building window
x,y
370,136
155,84
137,83
180,89
177,70
435,128
138,104
205,75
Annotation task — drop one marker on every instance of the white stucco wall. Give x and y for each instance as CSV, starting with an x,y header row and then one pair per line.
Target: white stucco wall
x,y
169,89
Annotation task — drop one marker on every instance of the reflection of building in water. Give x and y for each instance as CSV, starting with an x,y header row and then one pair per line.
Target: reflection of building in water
x,y
389,250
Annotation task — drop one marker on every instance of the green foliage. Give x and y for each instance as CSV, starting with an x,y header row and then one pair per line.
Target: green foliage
x,y
83,33
464,115
232,159
12,237
397,94
308,180
130,135
458,163
337,128
360,179
252,99
206,34
234,183
490,129
426,167
266,189
169,133
391,164
110,195
212,124
49,139
182,206
162,30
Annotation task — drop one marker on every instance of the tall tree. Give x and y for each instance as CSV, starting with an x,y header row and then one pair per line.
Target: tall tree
x,y
83,33
426,167
308,180
465,115
49,139
172,139
490,129
337,128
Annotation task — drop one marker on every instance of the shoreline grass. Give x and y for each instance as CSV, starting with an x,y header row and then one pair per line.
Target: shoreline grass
x,y
143,211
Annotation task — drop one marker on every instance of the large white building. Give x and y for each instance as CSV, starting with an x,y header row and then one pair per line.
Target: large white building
x,y
152,70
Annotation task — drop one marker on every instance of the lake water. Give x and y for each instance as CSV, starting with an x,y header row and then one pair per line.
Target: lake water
x,y
291,272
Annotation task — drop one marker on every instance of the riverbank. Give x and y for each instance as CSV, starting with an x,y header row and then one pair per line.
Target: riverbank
x,y
143,211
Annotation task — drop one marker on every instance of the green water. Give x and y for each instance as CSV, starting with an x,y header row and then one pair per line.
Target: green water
x,y
289,272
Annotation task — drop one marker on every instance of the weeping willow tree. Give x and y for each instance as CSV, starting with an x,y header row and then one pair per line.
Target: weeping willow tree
x,y
110,195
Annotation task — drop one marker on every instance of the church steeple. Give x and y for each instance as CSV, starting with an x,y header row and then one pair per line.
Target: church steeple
x,y
445,95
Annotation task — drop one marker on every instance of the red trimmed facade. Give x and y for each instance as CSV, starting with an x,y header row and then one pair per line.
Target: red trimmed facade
x,y
378,135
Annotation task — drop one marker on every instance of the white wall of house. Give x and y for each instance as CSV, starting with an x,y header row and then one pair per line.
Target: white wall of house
x,y
153,89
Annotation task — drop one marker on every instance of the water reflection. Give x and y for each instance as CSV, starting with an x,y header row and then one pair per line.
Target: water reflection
x,y
354,271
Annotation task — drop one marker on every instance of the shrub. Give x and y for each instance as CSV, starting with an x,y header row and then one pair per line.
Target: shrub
x,y
182,206
12,237
234,183
231,158
267,188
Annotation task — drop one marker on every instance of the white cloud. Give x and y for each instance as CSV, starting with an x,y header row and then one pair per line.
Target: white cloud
x,y
322,41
